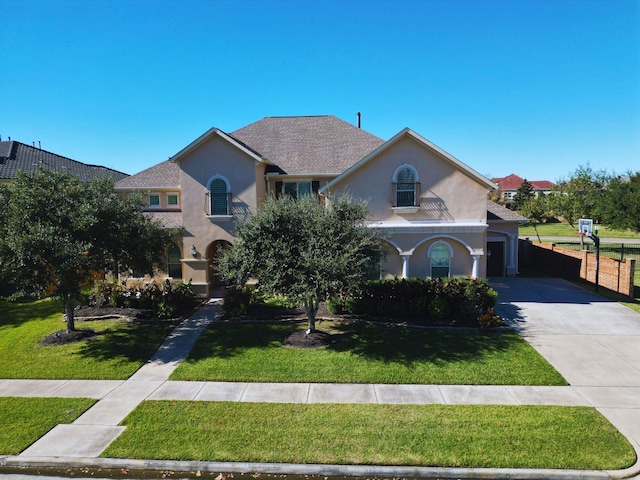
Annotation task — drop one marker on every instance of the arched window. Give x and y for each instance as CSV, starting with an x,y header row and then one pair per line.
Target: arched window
x,y
174,266
219,192
440,254
406,191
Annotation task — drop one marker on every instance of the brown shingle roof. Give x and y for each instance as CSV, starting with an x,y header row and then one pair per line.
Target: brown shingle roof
x,y
162,175
498,212
313,145
168,219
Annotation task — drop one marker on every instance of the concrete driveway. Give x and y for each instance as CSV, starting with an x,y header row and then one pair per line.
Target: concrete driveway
x,y
593,342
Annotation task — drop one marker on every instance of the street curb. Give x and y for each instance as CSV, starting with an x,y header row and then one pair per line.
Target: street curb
x,y
131,465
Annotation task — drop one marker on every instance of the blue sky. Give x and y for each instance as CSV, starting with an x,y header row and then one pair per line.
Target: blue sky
x,y
535,87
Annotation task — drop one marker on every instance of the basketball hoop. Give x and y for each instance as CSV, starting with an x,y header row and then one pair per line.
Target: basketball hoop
x,y
585,226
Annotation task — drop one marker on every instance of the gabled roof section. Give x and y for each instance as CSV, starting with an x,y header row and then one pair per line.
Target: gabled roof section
x,y
162,175
16,156
407,132
212,132
513,182
308,145
497,212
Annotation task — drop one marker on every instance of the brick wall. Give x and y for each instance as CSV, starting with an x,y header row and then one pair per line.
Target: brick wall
x,y
615,275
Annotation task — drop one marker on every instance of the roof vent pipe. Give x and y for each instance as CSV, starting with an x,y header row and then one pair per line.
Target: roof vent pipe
x,y
358,119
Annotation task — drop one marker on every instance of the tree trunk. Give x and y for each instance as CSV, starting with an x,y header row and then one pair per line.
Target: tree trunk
x,y
69,310
535,227
311,306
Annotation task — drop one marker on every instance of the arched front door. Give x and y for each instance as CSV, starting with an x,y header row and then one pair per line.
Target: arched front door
x,y
214,251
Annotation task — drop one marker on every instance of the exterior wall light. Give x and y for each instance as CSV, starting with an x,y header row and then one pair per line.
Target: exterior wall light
x,y
193,251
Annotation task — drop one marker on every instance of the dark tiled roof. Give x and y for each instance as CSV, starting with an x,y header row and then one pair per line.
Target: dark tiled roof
x,y
314,145
496,211
16,156
162,175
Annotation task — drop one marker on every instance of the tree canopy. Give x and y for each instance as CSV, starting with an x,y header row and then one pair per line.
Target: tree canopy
x,y
522,195
620,202
56,231
579,195
303,250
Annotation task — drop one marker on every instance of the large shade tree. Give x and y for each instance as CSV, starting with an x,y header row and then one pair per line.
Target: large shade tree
x,y
57,232
578,196
620,203
303,250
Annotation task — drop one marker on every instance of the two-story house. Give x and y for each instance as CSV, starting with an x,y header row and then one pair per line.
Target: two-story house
x,y
510,184
431,207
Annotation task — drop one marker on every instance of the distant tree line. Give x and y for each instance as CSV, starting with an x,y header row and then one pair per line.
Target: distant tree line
x,y
607,198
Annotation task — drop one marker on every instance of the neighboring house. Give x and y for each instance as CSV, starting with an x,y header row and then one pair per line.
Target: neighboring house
x,y
509,185
16,156
430,208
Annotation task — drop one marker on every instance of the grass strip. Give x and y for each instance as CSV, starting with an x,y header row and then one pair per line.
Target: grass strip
x,y
563,229
120,349
427,435
366,353
24,420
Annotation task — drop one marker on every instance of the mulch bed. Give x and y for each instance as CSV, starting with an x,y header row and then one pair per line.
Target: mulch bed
x,y
62,337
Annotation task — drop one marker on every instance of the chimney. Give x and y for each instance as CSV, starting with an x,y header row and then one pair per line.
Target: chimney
x,y
358,119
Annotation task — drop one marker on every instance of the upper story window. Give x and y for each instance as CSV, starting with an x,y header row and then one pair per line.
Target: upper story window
x,y
154,200
219,196
297,189
172,200
406,188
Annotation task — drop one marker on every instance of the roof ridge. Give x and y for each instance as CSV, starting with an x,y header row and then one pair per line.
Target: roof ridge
x,y
16,142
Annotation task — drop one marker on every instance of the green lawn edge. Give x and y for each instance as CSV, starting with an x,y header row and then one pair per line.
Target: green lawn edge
x,y
121,348
366,353
482,436
25,420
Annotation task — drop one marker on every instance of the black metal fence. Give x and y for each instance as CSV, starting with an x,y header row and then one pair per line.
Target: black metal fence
x,y
619,251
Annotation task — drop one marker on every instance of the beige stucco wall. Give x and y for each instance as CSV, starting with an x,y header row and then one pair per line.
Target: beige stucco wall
x,y
246,177
448,194
453,209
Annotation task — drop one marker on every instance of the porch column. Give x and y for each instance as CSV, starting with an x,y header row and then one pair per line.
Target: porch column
x,y
513,251
474,268
405,264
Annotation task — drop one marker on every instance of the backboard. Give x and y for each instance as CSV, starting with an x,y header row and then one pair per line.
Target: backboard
x,y
585,226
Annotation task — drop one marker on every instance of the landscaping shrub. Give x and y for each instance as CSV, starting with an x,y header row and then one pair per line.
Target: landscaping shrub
x,y
423,301
166,300
237,301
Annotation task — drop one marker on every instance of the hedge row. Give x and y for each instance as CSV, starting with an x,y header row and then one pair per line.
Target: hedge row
x,y
462,301
165,300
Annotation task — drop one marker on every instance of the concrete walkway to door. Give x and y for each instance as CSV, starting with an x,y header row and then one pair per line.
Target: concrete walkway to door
x,y
593,342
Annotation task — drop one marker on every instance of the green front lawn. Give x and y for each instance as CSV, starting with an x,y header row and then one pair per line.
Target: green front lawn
x,y
426,435
562,229
24,420
120,349
366,354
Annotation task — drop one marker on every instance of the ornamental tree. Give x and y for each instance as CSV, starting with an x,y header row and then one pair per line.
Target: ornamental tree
x,y
57,231
303,250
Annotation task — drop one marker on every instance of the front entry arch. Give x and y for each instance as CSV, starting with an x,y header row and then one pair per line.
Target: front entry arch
x,y
214,250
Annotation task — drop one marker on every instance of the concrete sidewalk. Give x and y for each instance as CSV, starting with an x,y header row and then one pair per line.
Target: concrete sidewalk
x,y
594,343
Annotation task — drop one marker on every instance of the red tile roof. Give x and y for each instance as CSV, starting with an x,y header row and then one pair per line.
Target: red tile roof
x,y
513,182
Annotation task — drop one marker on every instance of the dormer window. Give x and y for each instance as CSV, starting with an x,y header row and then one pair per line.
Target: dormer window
x,y
219,196
406,188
